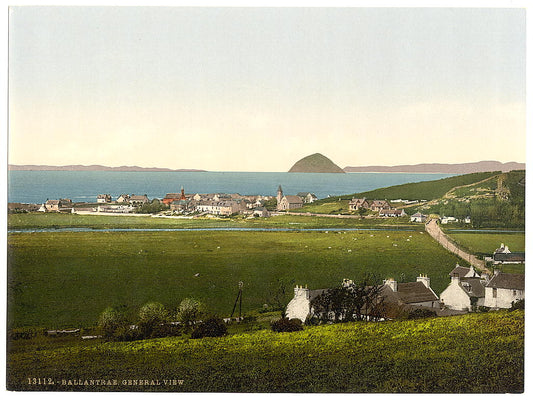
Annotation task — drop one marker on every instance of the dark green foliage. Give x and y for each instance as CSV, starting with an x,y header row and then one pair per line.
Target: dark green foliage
x,y
25,333
155,206
287,325
520,304
111,322
421,313
151,316
349,302
212,327
474,353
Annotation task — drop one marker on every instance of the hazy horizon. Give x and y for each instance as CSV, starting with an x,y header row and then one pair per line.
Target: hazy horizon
x,y
257,89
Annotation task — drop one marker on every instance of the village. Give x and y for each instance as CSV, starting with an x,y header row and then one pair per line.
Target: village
x,y
219,204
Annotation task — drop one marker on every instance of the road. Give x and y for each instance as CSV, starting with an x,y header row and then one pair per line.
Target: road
x,y
436,233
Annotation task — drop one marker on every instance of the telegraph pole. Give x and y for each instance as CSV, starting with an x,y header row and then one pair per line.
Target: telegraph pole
x,y
238,299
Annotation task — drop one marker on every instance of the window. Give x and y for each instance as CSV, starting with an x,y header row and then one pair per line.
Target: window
x,y
494,293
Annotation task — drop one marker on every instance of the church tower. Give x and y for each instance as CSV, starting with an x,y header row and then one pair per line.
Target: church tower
x,y
280,194
182,196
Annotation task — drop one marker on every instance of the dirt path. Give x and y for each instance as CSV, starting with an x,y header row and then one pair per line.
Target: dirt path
x,y
435,232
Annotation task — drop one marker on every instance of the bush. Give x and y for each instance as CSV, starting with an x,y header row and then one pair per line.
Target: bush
x,y
421,313
189,311
110,321
212,327
151,315
25,333
520,304
287,325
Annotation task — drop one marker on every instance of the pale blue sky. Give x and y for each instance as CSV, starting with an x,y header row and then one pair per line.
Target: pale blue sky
x,y
257,89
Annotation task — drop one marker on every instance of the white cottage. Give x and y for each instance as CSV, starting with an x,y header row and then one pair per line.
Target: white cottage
x,y
503,289
409,295
466,290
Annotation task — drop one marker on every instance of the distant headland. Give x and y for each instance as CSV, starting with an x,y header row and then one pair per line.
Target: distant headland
x,y
95,168
466,168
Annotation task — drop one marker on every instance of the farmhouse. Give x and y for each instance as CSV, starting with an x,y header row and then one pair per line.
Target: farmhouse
x,y
379,204
136,199
391,213
307,197
503,289
419,217
123,198
503,255
103,198
356,204
219,208
417,294
466,290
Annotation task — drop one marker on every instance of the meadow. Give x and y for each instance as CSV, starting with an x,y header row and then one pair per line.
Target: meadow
x,y
57,220
67,279
473,353
487,243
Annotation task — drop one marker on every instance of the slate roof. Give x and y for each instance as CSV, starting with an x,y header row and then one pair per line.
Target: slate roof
x,y
459,271
509,281
474,287
415,292
510,257
293,199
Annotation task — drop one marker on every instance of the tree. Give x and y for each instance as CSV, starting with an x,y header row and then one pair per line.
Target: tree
x,y
110,321
189,311
349,302
151,315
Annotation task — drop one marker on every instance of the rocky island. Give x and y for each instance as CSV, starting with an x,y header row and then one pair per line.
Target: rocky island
x,y
316,163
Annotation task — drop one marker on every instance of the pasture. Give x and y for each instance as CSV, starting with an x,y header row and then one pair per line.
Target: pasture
x,y
65,220
474,353
67,279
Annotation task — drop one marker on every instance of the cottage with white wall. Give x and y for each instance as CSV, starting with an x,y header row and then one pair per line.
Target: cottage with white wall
x,y
466,290
411,295
503,289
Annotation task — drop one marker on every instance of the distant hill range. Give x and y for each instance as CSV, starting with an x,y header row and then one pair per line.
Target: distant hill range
x,y
95,168
466,168
316,163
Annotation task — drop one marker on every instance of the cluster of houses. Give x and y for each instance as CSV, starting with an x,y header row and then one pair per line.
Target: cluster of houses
x,y
382,207
466,292
219,204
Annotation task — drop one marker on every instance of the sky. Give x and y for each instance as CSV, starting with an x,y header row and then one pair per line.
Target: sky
x,y
256,89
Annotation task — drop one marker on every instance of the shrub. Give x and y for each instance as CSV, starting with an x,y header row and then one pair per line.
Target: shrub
x,y
151,315
212,327
520,304
110,321
421,313
25,333
189,311
287,325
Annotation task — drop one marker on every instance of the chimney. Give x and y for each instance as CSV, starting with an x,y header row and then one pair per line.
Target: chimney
x,y
393,284
456,279
424,280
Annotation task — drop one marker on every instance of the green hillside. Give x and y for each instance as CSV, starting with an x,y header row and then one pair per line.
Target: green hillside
x,y
316,163
474,353
69,278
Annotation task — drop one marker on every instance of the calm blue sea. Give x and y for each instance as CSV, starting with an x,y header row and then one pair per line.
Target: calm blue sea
x,y
37,186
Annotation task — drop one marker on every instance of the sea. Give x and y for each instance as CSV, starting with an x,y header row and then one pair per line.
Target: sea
x,y
84,186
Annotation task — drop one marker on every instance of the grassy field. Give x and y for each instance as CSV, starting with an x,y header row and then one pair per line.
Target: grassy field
x,y
56,220
479,242
474,353
68,279
486,243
